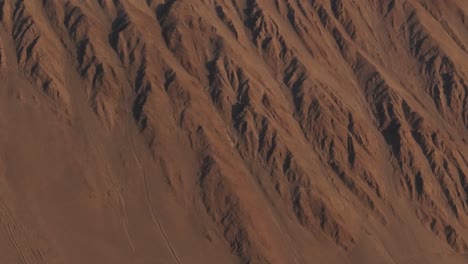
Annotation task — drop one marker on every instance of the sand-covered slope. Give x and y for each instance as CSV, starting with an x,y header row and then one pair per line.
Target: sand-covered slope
x,y
233,131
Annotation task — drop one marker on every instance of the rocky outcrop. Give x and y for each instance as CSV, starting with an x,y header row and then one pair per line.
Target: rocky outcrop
x,y
269,125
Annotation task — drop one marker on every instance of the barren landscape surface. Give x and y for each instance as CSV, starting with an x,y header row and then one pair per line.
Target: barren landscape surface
x,y
234,131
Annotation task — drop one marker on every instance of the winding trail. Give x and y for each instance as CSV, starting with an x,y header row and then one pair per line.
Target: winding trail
x,y
27,252
153,212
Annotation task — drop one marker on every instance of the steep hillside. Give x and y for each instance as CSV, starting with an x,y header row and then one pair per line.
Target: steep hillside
x,y
234,131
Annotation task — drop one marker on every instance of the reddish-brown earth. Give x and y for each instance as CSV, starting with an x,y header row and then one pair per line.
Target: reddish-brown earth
x,y
233,131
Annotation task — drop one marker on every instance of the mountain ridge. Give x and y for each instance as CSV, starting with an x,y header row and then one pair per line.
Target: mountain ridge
x,y
242,131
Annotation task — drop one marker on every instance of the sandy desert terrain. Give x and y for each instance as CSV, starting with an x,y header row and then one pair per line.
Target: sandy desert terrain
x,y
234,131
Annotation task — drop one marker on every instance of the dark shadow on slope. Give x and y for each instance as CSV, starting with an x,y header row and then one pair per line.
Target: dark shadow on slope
x,y
163,9
118,25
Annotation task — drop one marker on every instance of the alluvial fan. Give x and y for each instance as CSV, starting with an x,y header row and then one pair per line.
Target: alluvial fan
x,y
234,131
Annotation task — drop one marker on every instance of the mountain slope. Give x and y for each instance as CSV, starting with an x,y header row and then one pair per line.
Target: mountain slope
x,y
233,131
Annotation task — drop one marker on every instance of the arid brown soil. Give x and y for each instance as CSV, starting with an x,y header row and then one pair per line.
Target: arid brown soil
x,y
234,131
